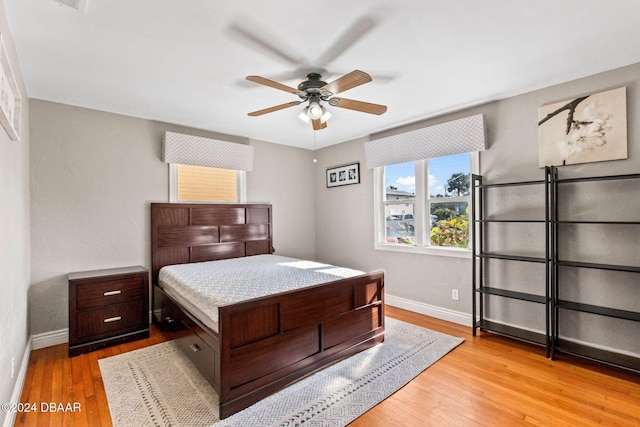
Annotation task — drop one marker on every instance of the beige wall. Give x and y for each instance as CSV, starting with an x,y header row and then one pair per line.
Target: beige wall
x,y
94,173
14,229
284,177
344,219
93,176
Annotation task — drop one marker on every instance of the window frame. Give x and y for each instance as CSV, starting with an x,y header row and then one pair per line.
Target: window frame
x,y
420,214
241,187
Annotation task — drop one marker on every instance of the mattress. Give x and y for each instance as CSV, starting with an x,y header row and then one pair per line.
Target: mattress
x,y
202,287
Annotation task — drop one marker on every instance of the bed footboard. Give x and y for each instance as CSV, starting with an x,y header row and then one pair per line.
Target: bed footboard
x,y
267,343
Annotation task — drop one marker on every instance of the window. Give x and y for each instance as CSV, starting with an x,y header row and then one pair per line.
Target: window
x,y
205,184
448,199
423,206
400,203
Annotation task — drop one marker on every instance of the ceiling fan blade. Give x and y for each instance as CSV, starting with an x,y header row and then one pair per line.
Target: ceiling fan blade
x,y
365,107
272,109
317,124
346,82
354,33
257,36
271,83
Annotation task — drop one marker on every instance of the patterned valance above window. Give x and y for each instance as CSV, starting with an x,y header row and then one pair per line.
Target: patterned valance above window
x,y
454,137
198,151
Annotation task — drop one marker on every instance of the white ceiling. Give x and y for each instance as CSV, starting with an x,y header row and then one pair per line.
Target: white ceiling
x,y
184,61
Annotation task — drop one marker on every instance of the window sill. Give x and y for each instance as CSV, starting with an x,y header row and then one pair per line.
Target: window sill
x,y
439,251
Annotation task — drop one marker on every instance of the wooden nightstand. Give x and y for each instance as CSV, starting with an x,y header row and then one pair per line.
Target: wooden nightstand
x,y
107,307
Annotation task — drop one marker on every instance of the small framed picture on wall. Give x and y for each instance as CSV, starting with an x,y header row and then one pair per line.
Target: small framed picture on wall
x,y
343,175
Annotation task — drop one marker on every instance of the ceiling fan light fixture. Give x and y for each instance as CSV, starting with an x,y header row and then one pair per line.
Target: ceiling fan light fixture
x,y
326,115
304,115
315,111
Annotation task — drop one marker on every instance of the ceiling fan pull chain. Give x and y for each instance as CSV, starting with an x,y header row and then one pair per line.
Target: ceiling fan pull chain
x,y
314,147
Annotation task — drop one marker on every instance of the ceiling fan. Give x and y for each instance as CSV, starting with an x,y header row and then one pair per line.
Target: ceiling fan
x,y
315,91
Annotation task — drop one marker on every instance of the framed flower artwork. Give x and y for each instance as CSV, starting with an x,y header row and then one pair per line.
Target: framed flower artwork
x,y
590,128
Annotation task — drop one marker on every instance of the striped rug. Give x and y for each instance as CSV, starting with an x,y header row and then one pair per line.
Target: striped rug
x,y
158,386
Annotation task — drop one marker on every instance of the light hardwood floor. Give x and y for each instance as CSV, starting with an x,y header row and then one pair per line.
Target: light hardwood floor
x,y
486,381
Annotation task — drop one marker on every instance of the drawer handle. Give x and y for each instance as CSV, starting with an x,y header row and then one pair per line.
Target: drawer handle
x,y
109,293
112,319
194,347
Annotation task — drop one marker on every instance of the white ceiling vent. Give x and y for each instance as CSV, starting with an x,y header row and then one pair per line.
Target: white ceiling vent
x,y
78,5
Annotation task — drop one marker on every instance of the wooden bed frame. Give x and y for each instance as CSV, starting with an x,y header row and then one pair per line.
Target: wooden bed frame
x,y
263,344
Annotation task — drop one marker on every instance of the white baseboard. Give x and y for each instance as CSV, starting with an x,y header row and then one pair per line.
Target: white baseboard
x,y
47,339
429,310
61,336
19,385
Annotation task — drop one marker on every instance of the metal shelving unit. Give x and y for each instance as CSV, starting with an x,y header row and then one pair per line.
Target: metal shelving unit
x,y
482,291
554,305
564,345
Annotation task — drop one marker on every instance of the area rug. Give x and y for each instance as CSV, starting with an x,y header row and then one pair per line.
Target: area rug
x,y
158,385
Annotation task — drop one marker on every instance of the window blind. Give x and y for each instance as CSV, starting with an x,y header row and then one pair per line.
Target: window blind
x,y
445,139
199,151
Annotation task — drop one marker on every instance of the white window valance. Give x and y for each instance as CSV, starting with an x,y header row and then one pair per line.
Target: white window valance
x,y
199,151
454,137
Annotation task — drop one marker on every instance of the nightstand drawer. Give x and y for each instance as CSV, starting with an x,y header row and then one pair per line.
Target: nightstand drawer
x,y
121,318
109,292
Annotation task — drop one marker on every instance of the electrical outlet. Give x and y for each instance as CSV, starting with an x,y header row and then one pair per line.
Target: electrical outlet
x,y
454,295
13,367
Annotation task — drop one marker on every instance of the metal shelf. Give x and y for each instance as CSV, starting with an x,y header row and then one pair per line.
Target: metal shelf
x,y
512,257
611,358
542,221
512,184
600,222
513,332
599,178
612,267
540,299
602,311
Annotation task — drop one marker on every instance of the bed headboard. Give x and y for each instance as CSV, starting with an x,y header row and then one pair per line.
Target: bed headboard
x,y
182,233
